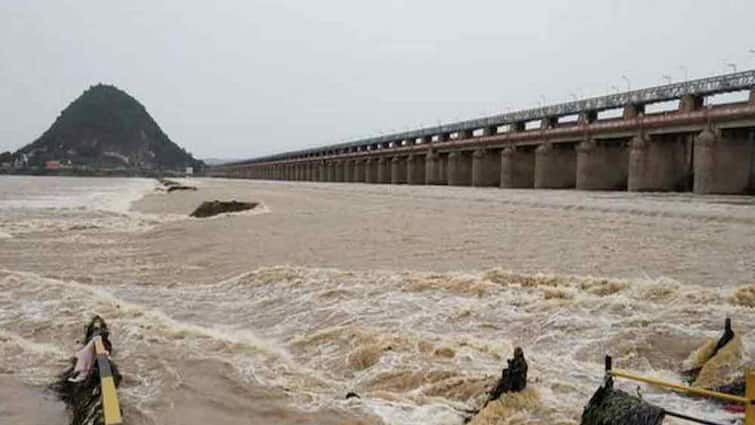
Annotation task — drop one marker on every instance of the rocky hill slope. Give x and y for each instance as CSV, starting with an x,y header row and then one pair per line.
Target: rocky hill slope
x,y
107,128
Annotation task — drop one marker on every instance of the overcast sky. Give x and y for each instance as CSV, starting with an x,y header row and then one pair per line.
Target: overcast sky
x,y
238,79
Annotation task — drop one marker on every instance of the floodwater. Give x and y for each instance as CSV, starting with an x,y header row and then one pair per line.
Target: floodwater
x,y
411,297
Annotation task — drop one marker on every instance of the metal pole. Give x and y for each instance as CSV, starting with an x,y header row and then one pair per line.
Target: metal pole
x,y
629,84
750,394
681,388
110,406
690,418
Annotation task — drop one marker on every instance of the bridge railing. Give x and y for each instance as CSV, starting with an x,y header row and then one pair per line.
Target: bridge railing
x,y
744,80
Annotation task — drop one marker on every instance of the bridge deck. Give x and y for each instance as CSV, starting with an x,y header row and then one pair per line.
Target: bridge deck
x,y
744,80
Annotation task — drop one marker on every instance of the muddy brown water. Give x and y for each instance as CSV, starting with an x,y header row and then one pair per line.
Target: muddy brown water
x,y
412,297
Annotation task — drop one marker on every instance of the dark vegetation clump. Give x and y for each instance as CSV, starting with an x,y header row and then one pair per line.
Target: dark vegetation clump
x,y
180,187
726,337
212,208
513,379
609,406
172,186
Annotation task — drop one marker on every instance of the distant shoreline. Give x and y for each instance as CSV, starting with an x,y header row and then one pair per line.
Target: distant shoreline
x,y
74,172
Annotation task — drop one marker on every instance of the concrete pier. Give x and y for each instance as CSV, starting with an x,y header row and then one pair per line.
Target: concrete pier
x,y
443,168
602,166
384,170
459,169
632,111
331,175
358,176
300,172
432,168
555,166
724,163
398,170
415,169
371,170
348,170
658,164
486,168
690,103
338,173
517,168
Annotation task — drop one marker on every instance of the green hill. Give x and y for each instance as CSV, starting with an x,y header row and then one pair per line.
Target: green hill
x,y
107,128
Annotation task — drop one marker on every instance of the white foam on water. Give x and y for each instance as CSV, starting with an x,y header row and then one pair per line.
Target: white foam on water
x,y
417,347
405,414
106,194
564,323
55,205
29,301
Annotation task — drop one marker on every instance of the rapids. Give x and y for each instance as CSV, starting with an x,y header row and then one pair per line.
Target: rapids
x,y
288,342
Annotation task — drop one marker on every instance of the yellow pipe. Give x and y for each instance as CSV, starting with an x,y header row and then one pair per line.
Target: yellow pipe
x,y
750,394
110,406
690,390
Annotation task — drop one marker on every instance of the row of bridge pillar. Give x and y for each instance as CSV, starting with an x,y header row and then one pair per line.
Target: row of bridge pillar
x,y
707,162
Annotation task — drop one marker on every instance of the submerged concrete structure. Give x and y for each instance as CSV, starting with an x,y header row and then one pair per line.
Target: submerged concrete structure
x,y
358,176
371,170
517,168
555,166
433,169
723,162
459,172
383,170
398,170
660,163
705,149
486,168
415,169
602,165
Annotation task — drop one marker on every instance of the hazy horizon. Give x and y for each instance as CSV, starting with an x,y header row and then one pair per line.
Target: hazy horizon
x,y
245,79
